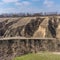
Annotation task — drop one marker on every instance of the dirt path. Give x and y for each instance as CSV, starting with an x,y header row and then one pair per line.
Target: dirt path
x,y
56,53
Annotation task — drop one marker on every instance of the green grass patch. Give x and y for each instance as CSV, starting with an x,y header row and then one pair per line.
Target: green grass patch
x,y
39,56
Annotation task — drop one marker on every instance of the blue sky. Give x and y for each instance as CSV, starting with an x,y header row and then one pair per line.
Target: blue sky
x,y
31,6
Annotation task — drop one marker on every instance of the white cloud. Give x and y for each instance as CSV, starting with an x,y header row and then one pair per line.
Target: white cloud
x,y
35,0
48,3
9,1
23,3
7,10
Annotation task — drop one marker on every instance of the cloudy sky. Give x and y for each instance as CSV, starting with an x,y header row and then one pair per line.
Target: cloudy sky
x,y
31,6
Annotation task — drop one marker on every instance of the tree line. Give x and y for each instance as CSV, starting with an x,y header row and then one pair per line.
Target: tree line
x,y
29,14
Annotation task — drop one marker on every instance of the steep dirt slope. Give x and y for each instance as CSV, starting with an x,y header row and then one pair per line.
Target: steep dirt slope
x,y
30,27
42,30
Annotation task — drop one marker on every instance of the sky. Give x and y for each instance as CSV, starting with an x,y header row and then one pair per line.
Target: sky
x,y
31,6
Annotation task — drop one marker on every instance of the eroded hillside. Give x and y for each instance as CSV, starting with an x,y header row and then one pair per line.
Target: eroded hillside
x,y
45,28
30,27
